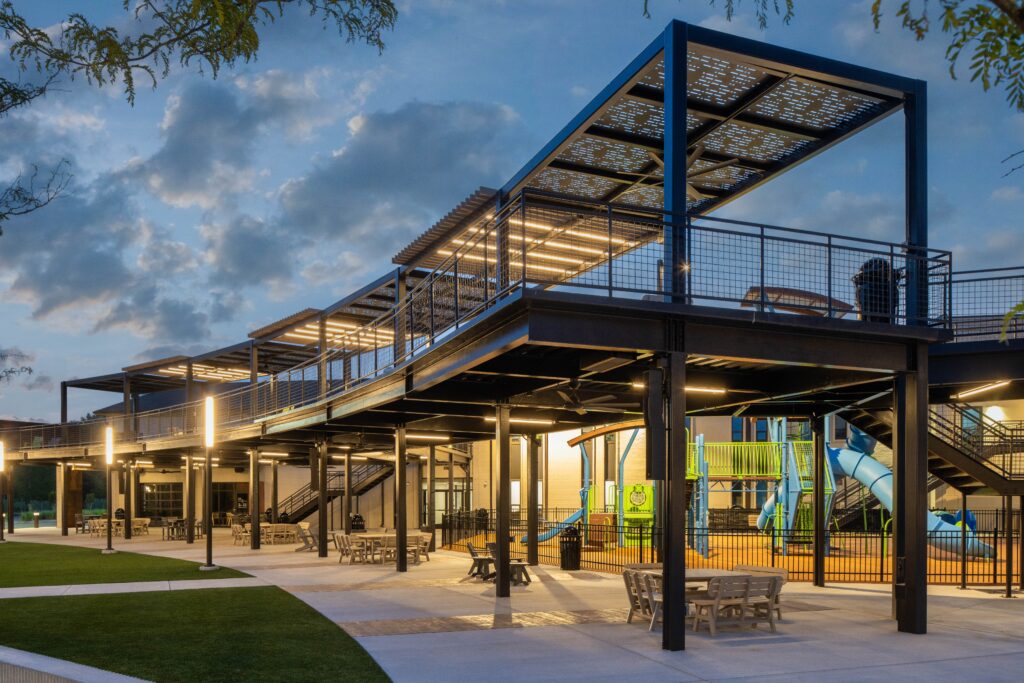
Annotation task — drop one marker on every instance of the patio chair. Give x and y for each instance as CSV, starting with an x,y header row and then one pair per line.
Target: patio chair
x,y
424,542
306,537
79,523
359,550
388,548
631,595
761,596
653,595
140,526
726,603
481,565
779,572
640,590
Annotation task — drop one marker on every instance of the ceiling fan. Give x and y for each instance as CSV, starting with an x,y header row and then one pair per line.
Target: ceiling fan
x,y
691,191
574,402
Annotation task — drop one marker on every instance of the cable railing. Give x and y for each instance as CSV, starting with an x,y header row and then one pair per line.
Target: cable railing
x,y
551,242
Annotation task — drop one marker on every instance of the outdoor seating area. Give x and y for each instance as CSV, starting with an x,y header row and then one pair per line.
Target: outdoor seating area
x,y
379,547
483,566
745,595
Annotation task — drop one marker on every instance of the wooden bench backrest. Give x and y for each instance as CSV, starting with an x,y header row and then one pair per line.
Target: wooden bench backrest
x,y
762,586
780,572
728,587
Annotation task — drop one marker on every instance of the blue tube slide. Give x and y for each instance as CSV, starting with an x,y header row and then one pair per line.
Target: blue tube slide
x,y
877,478
557,529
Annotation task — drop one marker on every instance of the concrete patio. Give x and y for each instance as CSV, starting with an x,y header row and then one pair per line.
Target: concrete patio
x,y
434,623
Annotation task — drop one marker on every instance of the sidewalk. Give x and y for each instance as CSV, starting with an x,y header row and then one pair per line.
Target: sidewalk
x,y
129,587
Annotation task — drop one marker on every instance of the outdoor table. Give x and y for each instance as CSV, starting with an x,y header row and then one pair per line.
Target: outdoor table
x,y
378,537
696,575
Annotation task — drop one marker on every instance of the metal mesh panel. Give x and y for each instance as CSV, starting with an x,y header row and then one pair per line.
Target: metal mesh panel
x,y
981,298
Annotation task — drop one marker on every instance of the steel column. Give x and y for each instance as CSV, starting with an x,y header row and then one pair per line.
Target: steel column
x,y
189,390
129,490
401,501
503,506
254,499
126,385
321,498
963,541
321,364
110,507
254,378
673,634
1008,530
910,474
915,109
675,151
419,493
3,508
63,402
9,488
1020,541
62,487
431,487
818,440
190,499
273,491
347,522
532,521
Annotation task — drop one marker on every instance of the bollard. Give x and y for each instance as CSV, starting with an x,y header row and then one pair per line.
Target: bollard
x,y
35,520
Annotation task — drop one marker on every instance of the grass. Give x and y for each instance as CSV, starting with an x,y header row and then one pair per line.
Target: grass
x,y
44,564
216,634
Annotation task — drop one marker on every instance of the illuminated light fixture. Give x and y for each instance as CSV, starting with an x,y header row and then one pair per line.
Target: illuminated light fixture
x,y
522,420
428,437
995,413
342,457
274,454
704,390
144,463
981,389
265,462
208,423
367,453
638,385
108,445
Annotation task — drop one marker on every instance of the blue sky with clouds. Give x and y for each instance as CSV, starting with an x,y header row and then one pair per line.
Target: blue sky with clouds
x,y
213,207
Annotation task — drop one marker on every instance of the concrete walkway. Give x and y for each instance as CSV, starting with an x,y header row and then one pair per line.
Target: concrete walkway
x,y
126,587
433,623
18,666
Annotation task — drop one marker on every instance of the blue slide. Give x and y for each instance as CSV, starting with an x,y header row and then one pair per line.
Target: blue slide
x,y
557,529
856,461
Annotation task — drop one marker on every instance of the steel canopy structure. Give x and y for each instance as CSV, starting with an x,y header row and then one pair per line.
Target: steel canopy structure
x,y
594,287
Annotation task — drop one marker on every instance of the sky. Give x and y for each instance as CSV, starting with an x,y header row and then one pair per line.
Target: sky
x,y
215,206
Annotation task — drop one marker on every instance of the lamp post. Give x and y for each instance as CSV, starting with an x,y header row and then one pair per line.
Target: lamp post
x,y
2,491
208,438
108,449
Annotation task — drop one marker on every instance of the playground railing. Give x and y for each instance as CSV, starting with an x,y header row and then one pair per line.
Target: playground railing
x,y
853,556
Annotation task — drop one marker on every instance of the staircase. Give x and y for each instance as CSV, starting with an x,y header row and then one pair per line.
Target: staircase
x,y
305,501
967,450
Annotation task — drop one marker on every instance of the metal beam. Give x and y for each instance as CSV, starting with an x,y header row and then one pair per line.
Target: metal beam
x,y
273,492
431,486
347,522
321,461
503,505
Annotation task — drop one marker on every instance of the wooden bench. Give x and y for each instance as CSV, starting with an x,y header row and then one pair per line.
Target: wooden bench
x,y
755,570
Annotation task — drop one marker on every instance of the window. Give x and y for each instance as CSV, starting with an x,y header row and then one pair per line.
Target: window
x,y
162,500
840,429
761,430
737,429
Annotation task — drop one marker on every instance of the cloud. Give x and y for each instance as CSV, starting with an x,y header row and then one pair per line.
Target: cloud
x,y
211,131
40,382
1007,193
248,251
148,313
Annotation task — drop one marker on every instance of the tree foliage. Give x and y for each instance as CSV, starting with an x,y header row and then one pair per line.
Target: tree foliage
x,y
13,363
208,35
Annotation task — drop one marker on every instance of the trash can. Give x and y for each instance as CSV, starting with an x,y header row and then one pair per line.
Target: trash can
x,y
571,546
357,522
877,290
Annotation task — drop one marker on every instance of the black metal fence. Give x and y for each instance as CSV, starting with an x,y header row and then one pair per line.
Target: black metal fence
x,y
853,556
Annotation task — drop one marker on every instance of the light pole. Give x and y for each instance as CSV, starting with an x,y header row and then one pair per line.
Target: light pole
x,y
3,464
208,438
108,449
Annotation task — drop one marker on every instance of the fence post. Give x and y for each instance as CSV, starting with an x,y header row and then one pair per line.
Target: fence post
x,y
963,541
995,554
881,564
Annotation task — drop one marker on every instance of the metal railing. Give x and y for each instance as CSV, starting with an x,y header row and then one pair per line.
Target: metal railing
x,y
335,484
981,298
544,241
979,437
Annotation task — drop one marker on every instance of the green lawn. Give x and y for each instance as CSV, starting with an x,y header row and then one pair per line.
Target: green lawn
x,y
216,634
45,564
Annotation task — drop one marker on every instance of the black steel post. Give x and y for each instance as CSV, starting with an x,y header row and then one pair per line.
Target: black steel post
x,y
910,437
1020,541
9,487
190,499
129,489
321,496
818,441
673,633
62,486
503,576
451,485
401,501
419,492
431,487
254,499
273,492
1008,533
3,494
208,507
915,112
532,521
347,522
963,540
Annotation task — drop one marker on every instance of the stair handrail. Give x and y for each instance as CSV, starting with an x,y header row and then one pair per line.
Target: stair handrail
x,y
307,493
987,439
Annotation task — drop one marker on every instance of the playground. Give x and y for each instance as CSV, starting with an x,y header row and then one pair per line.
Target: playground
x,y
780,473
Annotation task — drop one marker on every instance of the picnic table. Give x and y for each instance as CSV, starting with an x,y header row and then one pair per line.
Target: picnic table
x,y
696,575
